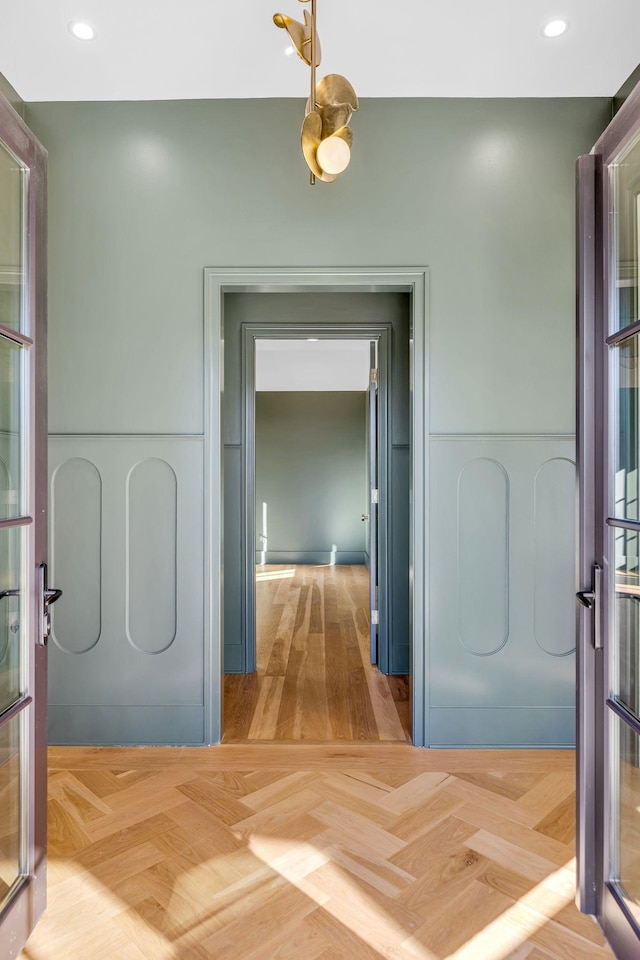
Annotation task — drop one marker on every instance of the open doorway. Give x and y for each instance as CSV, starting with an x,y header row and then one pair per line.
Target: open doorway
x,y
334,405
241,303
316,480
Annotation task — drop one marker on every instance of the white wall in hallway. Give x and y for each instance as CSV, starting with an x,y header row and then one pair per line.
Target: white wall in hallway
x,y
322,365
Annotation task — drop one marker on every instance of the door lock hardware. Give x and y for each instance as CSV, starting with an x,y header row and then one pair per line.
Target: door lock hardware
x,y
365,516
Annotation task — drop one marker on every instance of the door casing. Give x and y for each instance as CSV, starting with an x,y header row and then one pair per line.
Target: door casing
x,y
362,331
218,282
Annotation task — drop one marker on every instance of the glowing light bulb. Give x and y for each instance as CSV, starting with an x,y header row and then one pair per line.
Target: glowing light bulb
x,y
333,155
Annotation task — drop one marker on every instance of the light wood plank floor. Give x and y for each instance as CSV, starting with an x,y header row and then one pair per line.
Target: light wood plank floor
x,y
314,680
302,852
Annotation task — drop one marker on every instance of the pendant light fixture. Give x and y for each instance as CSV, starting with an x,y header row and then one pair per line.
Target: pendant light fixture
x,y
326,135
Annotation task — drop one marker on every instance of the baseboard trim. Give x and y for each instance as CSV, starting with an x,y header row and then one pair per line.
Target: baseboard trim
x,y
503,727
111,725
313,557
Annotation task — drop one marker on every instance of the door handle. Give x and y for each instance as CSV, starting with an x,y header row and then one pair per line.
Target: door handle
x,y
49,595
586,598
365,516
591,600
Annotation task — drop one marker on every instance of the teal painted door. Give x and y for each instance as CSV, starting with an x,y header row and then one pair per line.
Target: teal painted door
x,y
373,498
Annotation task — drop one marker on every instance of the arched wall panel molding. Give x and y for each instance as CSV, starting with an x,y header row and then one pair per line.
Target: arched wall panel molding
x,y
495,555
483,530
151,586
554,575
76,554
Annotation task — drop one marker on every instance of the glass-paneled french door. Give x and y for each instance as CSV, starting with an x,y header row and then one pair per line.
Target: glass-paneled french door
x,y
609,565
23,509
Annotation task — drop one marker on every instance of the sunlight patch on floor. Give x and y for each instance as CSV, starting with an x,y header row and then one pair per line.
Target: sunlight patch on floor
x,y
275,575
338,893
515,927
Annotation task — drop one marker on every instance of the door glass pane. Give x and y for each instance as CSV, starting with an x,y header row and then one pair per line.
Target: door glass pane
x,y
10,816
13,180
10,452
13,607
625,383
627,667
625,190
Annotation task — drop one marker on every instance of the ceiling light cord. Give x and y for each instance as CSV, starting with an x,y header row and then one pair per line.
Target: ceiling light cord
x,y
312,176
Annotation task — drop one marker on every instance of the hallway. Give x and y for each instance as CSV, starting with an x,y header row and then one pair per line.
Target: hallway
x,y
302,852
314,680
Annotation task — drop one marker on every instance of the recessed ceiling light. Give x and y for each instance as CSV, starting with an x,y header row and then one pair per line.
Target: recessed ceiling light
x,y
81,31
555,28
312,339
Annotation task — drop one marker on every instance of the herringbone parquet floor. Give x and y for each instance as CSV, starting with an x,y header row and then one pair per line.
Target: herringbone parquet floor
x,y
301,852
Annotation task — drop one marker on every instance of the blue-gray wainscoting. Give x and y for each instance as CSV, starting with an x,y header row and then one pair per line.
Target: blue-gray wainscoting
x,y
126,546
126,659
502,623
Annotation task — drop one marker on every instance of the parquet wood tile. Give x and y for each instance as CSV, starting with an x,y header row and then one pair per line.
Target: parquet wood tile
x,y
442,879
314,681
360,851
545,898
559,822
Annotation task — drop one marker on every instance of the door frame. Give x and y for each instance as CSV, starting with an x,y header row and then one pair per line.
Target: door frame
x,y
596,893
273,331
23,912
219,281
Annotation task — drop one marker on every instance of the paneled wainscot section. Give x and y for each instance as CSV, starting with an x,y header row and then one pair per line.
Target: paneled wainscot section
x,y
126,547
502,599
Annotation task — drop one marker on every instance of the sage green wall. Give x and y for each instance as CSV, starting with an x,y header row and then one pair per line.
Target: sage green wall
x,y
311,451
144,195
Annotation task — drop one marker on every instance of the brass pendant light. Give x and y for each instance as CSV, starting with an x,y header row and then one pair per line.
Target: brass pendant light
x,y
326,136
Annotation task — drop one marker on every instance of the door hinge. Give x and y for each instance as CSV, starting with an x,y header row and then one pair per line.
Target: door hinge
x,y
374,496
374,376
375,617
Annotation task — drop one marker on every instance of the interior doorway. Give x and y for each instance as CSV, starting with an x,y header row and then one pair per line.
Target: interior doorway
x,y
317,452
223,448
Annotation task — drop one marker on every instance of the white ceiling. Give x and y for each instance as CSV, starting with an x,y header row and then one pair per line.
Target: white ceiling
x,y
155,50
